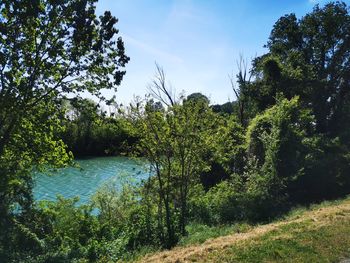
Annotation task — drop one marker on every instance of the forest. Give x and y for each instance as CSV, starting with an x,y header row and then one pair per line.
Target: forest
x,y
283,142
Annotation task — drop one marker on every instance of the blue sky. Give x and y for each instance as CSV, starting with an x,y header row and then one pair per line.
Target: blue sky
x,y
197,42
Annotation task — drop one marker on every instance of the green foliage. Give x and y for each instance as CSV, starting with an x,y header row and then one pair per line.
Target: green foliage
x,y
130,213
227,108
53,232
61,231
298,158
222,204
320,182
311,54
284,142
225,154
278,144
198,98
62,47
89,132
175,142
281,147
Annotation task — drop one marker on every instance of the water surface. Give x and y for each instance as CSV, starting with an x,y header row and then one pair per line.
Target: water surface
x,y
85,180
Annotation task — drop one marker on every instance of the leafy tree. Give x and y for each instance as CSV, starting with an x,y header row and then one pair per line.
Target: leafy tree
x,y
89,131
227,151
175,141
309,58
47,49
198,98
227,108
84,114
280,142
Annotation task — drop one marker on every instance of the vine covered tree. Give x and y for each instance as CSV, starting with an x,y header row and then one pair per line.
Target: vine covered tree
x,y
309,58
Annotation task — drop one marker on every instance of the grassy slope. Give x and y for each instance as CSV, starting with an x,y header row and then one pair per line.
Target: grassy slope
x,y
320,234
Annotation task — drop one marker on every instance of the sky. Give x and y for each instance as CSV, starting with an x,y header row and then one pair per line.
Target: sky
x,y
196,42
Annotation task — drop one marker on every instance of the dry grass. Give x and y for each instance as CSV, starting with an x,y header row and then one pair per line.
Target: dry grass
x,y
223,249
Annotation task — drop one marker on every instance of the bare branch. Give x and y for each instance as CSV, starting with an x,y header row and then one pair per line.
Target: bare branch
x,y
236,91
244,78
160,90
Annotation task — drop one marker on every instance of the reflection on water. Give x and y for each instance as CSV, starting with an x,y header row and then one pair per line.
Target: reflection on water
x,y
85,180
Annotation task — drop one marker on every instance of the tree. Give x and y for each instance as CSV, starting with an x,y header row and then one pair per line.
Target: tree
x,y
198,97
280,142
48,49
309,58
226,153
175,140
243,79
80,120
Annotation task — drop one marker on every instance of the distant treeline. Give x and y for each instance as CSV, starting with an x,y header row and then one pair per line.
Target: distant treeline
x,y
89,131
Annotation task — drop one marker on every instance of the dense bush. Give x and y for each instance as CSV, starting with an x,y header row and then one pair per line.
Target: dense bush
x,y
279,144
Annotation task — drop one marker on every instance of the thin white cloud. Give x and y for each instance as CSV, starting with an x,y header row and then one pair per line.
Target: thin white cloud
x,y
317,1
157,53
185,14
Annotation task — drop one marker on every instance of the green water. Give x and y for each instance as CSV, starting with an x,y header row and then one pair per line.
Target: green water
x,y
84,181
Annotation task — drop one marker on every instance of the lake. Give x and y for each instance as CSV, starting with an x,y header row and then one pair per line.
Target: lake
x,y
85,180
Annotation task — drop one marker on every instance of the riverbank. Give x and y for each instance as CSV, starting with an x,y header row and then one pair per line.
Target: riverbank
x,y
318,234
